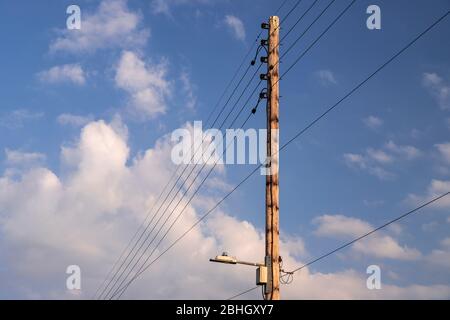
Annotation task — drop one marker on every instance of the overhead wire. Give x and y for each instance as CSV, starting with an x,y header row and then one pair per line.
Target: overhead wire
x,y
301,132
347,244
122,289
323,33
177,191
295,6
176,171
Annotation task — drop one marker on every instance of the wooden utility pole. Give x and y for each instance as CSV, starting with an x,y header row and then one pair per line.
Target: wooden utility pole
x,y
272,187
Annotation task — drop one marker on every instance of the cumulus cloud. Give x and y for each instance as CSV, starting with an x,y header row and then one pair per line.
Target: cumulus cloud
x,y
436,188
439,88
326,77
444,150
112,25
374,161
386,247
373,122
408,152
441,257
236,26
351,284
379,156
74,120
339,225
68,73
145,83
86,214
377,245
363,162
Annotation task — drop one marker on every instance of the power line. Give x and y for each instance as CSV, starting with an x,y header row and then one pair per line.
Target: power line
x,y
298,21
281,6
241,109
199,220
317,39
311,124
177,192
174,197
415,210
122,290
176,171
389,61
243,106
295,6
245,59
309,27
242,293
373,231
290,11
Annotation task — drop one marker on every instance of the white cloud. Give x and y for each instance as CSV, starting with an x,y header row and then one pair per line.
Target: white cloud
x,y
373,122
74,120
408,152
326,77
86,215
435,189
355,159
441,257
376,245
366,163
72,73
236,26
17,118
446,243
339,225
112,25
351,284
379,156
386,247
374,161
146,84
444,150
18,157
438,88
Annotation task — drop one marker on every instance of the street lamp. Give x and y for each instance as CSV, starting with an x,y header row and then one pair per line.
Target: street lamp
x,y
261,271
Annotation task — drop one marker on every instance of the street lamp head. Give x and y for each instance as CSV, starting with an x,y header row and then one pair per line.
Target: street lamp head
x,y
224,258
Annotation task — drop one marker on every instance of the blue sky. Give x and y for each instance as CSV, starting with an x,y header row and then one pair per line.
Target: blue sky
x,y
139,70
